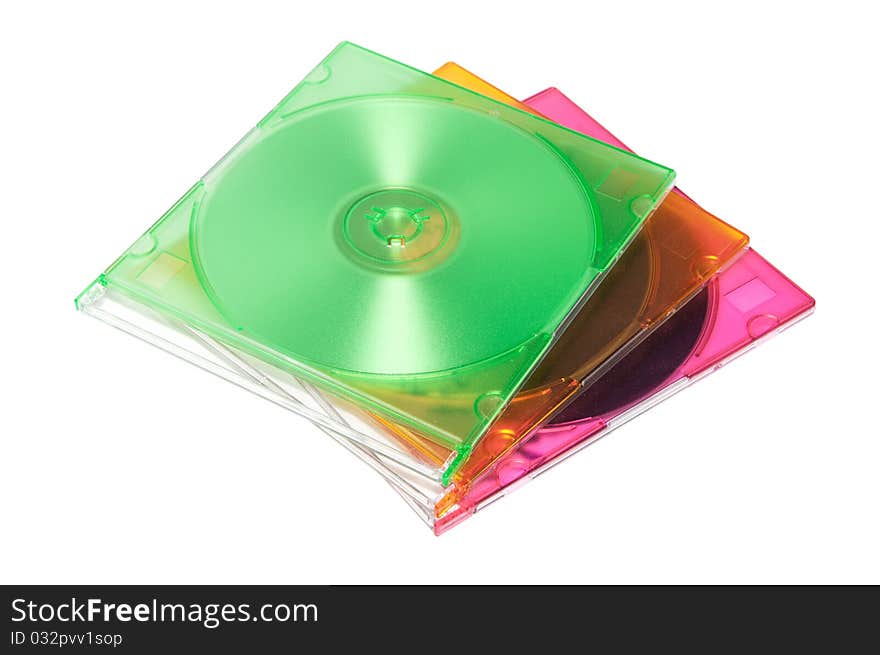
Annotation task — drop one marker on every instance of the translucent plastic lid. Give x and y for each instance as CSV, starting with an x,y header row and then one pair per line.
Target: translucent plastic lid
x,y
400,241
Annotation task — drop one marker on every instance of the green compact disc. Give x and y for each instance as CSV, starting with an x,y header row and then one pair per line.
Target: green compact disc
x,y
393,236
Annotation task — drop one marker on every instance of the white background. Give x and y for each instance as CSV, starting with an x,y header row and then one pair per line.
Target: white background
x,y
121,464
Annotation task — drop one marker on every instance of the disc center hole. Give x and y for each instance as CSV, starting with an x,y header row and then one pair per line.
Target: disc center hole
x,y
396,226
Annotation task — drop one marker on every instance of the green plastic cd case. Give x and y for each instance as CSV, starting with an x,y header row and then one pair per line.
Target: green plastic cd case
x,y
397,240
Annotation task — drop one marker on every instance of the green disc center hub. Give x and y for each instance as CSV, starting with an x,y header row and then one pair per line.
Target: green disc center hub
x,y
395,226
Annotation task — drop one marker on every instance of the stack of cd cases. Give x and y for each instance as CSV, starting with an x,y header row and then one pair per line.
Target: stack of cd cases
x,y
460,288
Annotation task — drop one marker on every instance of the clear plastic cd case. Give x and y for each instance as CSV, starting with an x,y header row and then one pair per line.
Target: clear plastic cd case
x,y
353,239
